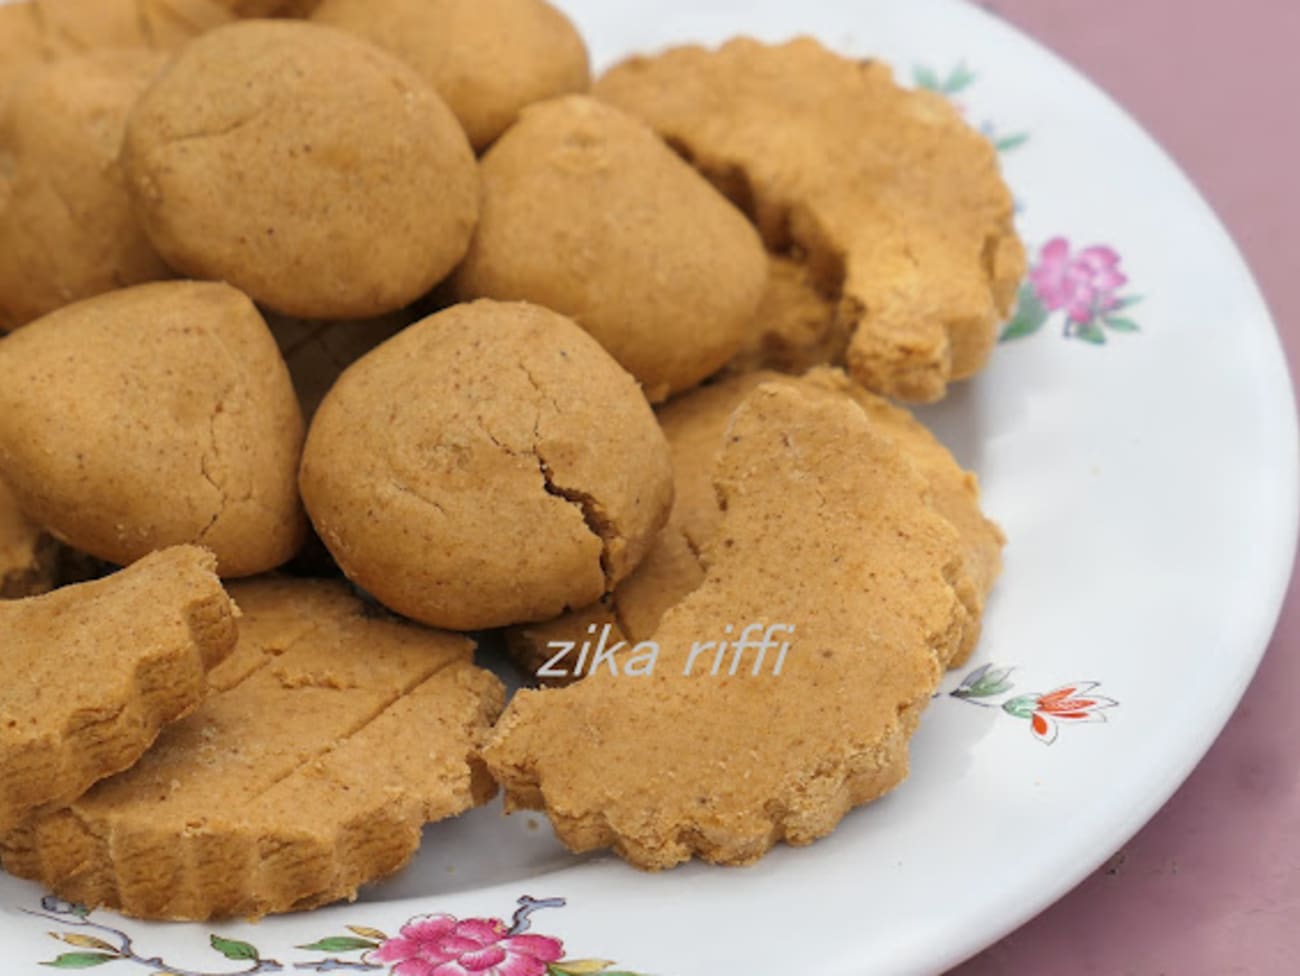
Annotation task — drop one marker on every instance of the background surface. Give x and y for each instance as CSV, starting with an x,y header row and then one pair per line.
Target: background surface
x,y
1212,884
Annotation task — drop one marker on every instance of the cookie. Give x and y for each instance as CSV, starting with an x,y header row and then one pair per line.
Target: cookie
x,y
66,227
487,466
93,672
155,416
898,203
28,557
332,735
315,172
73,27
795,327
954,493
486,58
317,353
586,212
705,752
695,425
20,46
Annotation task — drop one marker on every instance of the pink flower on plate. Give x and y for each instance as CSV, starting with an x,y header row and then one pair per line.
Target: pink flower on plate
x,y
1084,284
442,945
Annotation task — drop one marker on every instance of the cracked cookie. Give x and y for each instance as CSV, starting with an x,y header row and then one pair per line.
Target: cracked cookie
x,y
66,227
898,203
331,737
94,671
154,416
488,465
28,557
486,58
694,425
586,212
312,170
873,611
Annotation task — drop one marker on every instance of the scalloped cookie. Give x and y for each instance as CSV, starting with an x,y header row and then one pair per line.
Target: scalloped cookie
x,y
740,754
487,58
154,416
310,169
331,737
889,192
487,466
586,212
94,671
67,231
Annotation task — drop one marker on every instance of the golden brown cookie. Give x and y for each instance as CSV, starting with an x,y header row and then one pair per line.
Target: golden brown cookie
x,y
331,737
719,754
154,416
486,58
317,353
954,493
308,168
795,327
93,672
72,27
20,46
28,557
585,211
694,425
487,466
896,200
66,227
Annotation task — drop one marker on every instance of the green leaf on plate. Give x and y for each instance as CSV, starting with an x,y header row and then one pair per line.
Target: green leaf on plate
x,y
1022,706
959,79
1008,143
1120,324
80,960
1029,318
925,78
340,943
233,949
1128,301
1091,332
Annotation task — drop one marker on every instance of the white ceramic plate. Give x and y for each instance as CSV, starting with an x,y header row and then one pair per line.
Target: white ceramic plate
x,y
1145,470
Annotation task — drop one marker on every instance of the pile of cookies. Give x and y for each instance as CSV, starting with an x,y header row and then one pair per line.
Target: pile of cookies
x,y
343,340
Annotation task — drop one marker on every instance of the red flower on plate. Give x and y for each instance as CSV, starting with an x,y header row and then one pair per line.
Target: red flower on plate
x,y
443,945
1068,703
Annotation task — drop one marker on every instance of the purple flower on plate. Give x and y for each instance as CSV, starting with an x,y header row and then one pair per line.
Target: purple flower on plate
x,y
443,945
1083,284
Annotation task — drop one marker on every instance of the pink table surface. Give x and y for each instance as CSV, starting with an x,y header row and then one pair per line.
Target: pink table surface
x,y
1212,884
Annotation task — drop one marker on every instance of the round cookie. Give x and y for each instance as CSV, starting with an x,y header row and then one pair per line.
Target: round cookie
x,y
487,58
489,465
312,170
66,227
587,212
73,27
154,416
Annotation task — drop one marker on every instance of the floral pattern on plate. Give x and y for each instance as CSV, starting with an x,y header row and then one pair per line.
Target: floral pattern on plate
x,y
427,945
1046,711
